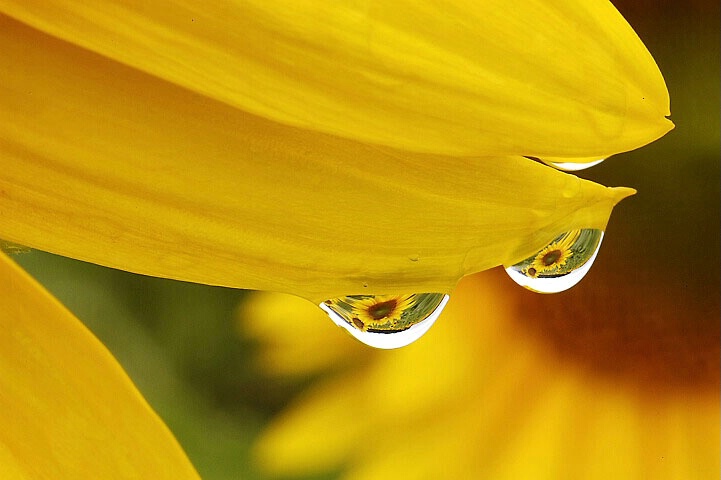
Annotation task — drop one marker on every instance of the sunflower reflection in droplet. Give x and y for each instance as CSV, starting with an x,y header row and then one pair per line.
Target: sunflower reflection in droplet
x,y
559,265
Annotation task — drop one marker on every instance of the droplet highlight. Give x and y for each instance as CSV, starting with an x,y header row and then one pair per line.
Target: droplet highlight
x,y
559,265
566,166
574,166
386,321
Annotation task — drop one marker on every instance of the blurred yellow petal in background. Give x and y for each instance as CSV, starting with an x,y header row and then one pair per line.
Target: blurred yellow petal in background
x,y
273,323
67,408
106,164
557,78
486,394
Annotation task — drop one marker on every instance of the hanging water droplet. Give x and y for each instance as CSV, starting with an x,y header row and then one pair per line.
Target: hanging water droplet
x,y
11,248
579,164
559,265
574,166
567,166
386,321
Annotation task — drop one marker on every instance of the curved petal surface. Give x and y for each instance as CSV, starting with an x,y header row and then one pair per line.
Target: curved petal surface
x,y
106,164
562,78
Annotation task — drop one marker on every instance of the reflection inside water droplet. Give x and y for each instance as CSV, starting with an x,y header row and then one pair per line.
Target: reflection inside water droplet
x,y
559,265
386,321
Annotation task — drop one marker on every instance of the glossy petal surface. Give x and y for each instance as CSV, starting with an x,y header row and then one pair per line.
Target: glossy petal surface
x,y
106,164
562,78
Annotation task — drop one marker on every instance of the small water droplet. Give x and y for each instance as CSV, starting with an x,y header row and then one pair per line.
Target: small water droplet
x,y
566,166
11,248
559,265
574,166
386,321
414,258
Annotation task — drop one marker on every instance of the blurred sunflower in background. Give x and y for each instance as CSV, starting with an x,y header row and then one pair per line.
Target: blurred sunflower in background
x,y
599,383
617,378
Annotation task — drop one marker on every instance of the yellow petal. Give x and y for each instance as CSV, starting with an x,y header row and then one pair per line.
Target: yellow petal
x,y
541,78
106,164
67,409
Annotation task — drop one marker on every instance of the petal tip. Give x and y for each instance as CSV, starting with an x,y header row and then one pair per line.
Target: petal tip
x,y
668,123
619,193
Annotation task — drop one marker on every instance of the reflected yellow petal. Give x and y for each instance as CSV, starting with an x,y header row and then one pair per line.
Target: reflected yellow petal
x,y
67,409
471,78
106,164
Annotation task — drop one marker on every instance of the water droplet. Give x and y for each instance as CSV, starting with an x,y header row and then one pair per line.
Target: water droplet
x,y
386,321
414,258
574,166
11,248
566,166
559,265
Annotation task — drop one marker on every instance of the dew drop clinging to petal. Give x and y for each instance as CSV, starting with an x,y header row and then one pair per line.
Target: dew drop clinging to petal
x,y
560,164
386,321
573,166
559,265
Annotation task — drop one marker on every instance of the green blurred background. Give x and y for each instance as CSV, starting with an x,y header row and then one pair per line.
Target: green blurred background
x,y
180,344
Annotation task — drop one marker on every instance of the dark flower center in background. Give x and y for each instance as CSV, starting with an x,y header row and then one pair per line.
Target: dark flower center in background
x,y
644,329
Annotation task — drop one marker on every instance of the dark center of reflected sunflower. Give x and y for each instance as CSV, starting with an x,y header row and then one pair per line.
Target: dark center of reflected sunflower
x,y
551,257
381,310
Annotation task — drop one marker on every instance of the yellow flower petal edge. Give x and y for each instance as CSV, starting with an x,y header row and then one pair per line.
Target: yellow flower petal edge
x,y
543,78
108,165
67,409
